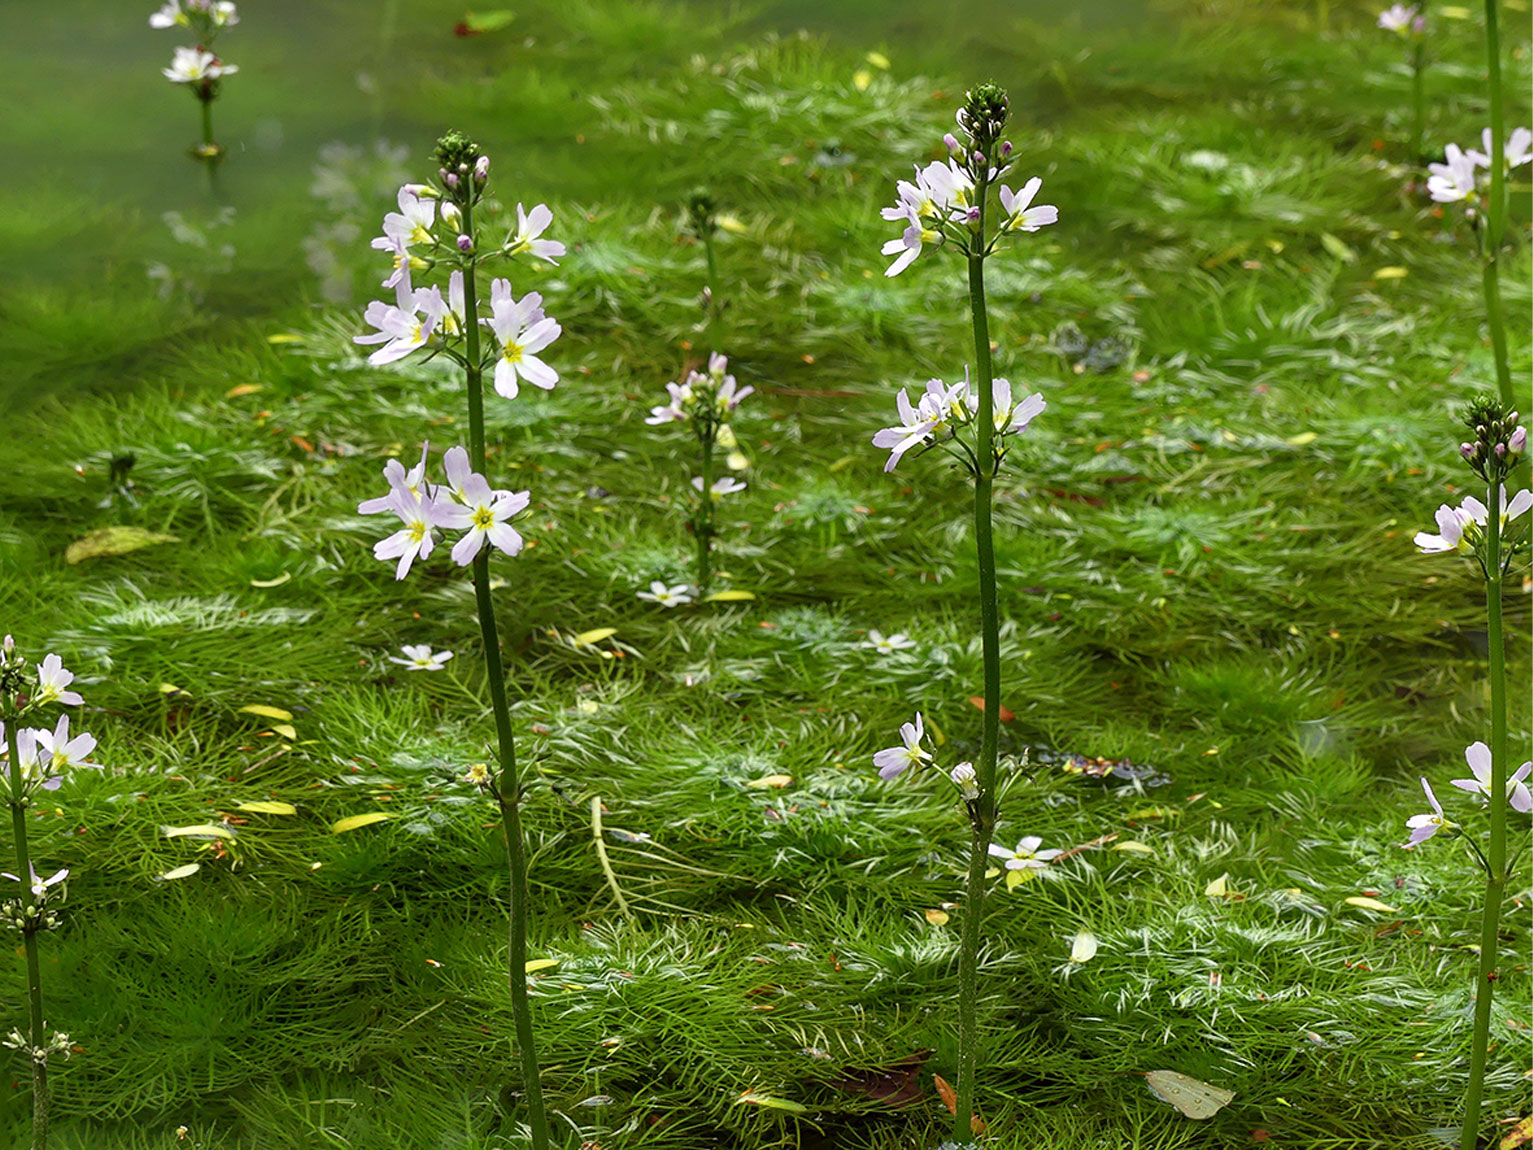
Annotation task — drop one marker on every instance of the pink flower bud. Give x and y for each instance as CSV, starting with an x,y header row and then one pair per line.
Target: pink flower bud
x,y
1005,149
951,141
465,244
1467,450
482,169
450,179
1518,440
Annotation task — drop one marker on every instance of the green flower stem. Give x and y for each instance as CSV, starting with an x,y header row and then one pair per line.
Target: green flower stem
x,y
508,788
207,123
1495,857
983,809
702,526
715,305
34,969
1418,99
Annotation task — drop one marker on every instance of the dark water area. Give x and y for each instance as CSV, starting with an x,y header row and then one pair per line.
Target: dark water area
x,y
115,243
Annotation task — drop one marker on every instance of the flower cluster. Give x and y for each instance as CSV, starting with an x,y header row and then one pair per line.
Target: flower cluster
x,y
1403,20
1498,440
943,409
1477,755
466,502
42,755
1462,528
1466,173
433,227
702,397
197,66
946,200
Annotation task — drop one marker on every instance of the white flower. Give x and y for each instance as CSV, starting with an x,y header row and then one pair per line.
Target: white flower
x,y
1010,418
421,515
1518,150
53,681
1477,755
484,512
887,645
667,596
1454,180
400,329
410,225
1026,856
894,761
964,779
523,330
1022,218
57,752
1423,827
721,487
1397,18
39,886
193,65
421,658
916,423
168,16
529,226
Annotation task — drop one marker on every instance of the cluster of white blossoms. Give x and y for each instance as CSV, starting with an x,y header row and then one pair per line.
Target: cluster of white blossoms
x,y
466,502
1466,173
1477,755
197,65
705,396
43,754
944,407
942,203
417,236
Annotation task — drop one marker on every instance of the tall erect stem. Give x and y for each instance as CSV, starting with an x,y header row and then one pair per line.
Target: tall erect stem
x,y
702,526
983,809
508,788
35,1037
1495,855
1418,98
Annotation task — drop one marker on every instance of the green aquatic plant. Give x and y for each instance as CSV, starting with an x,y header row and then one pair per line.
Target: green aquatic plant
x,y
972,421
1487,532
436,228
37,760
199,67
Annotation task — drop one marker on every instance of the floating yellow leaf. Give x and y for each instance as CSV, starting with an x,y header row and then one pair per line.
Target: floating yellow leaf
x,y
776,781
198,830
939,736
862,79
113,541
755,1098
263,807
1370,904
937,917
352,822
1193,1098
1133,847
1392,273
588,706
536,964
284,337
842,464
267,712
181,871
277,582
1522,1133
1015,878
730,597
1083,948
169,689
1301,439
589,637
878,60
732,225
1219,888
1453,12
240,389
1153,813
287,732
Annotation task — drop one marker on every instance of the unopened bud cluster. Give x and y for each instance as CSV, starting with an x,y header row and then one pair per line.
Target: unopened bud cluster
x,y
463,169
701,214
28,917
983,119
1497,441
